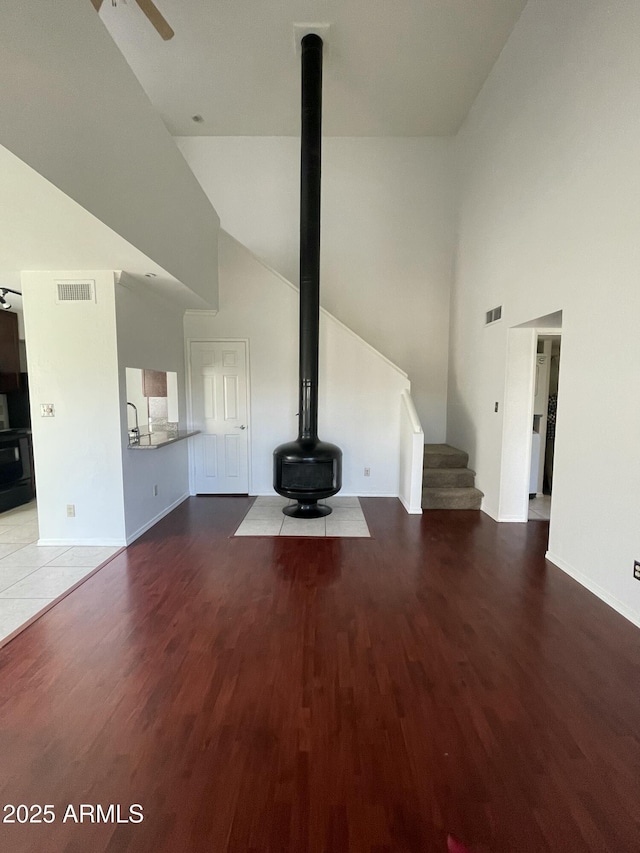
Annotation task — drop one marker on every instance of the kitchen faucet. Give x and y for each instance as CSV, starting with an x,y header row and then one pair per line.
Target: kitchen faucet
x,y
134,433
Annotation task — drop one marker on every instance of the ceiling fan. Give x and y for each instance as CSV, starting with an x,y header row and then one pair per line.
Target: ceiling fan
x,y
153,14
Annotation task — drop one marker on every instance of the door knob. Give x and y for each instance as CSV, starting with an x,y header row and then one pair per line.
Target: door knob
x,y
241,427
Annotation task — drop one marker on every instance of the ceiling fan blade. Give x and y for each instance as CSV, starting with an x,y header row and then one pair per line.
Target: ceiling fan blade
x,y
97,4
154,15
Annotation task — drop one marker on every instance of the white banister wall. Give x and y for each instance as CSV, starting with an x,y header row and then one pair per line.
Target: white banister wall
x,y
411,455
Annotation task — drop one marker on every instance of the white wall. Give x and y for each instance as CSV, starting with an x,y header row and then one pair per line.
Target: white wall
x,y
150,334
71,348
73,110
78,354
359,389
549,212
387,237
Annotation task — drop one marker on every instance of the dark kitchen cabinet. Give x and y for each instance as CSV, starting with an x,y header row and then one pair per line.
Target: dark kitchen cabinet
x,y
9,352
154,383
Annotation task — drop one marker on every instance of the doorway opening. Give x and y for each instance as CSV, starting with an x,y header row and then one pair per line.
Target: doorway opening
x,y
545,401
517,426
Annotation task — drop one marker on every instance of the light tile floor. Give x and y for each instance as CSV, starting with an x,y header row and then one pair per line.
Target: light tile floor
x,y
540,508
32,576
265,518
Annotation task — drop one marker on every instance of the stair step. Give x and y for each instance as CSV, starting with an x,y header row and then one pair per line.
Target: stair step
x,y
461,478
451,498
444,456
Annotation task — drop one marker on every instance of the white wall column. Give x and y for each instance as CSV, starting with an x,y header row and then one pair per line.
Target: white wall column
x,y
72,357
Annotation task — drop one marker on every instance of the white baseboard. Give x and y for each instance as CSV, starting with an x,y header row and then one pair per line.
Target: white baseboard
x,y
87,543
501,519
489,511
412,510
596,589
156,518
367,495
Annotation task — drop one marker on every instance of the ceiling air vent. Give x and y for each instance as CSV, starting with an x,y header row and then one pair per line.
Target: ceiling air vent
x,y
493,315
76,291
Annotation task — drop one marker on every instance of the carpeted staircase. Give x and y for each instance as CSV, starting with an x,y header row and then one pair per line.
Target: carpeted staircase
x,y
447,483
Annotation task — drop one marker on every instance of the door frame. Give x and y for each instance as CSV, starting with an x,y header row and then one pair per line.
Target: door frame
x,y
200,339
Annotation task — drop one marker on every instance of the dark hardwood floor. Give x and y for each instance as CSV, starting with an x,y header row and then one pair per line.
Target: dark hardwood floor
x,y
307,695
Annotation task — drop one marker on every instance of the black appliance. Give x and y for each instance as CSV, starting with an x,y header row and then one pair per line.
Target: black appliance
x,y
16,468
18,404
308,469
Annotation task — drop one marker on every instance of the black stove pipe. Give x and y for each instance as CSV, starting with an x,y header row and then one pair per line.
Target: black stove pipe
x,y
310,169
308,469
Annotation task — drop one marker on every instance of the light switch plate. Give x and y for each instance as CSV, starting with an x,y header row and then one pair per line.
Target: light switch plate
x,y
47,410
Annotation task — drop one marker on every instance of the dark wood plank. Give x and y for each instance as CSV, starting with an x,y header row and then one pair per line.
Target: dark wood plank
x,y
320,696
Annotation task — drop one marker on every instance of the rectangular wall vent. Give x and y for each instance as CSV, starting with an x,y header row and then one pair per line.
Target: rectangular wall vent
x,y
76,291
493,315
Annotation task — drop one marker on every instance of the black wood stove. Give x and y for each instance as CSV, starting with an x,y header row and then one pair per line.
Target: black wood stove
x,y
307,469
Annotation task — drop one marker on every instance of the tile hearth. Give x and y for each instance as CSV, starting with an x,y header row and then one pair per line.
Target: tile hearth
x,y
265,518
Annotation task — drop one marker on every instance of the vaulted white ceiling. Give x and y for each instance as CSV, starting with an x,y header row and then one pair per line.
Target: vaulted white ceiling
x,y
403,68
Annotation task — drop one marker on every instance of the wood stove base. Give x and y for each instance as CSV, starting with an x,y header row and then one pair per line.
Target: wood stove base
x,y
308,509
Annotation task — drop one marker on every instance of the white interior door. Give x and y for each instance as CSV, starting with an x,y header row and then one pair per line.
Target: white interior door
x,y
219,411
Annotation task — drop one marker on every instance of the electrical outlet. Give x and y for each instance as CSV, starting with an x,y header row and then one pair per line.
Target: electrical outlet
x,y
71,510
155,491
47,410
636,569
367,472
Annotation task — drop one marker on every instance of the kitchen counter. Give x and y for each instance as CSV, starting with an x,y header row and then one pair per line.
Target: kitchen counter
x,y
154,440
